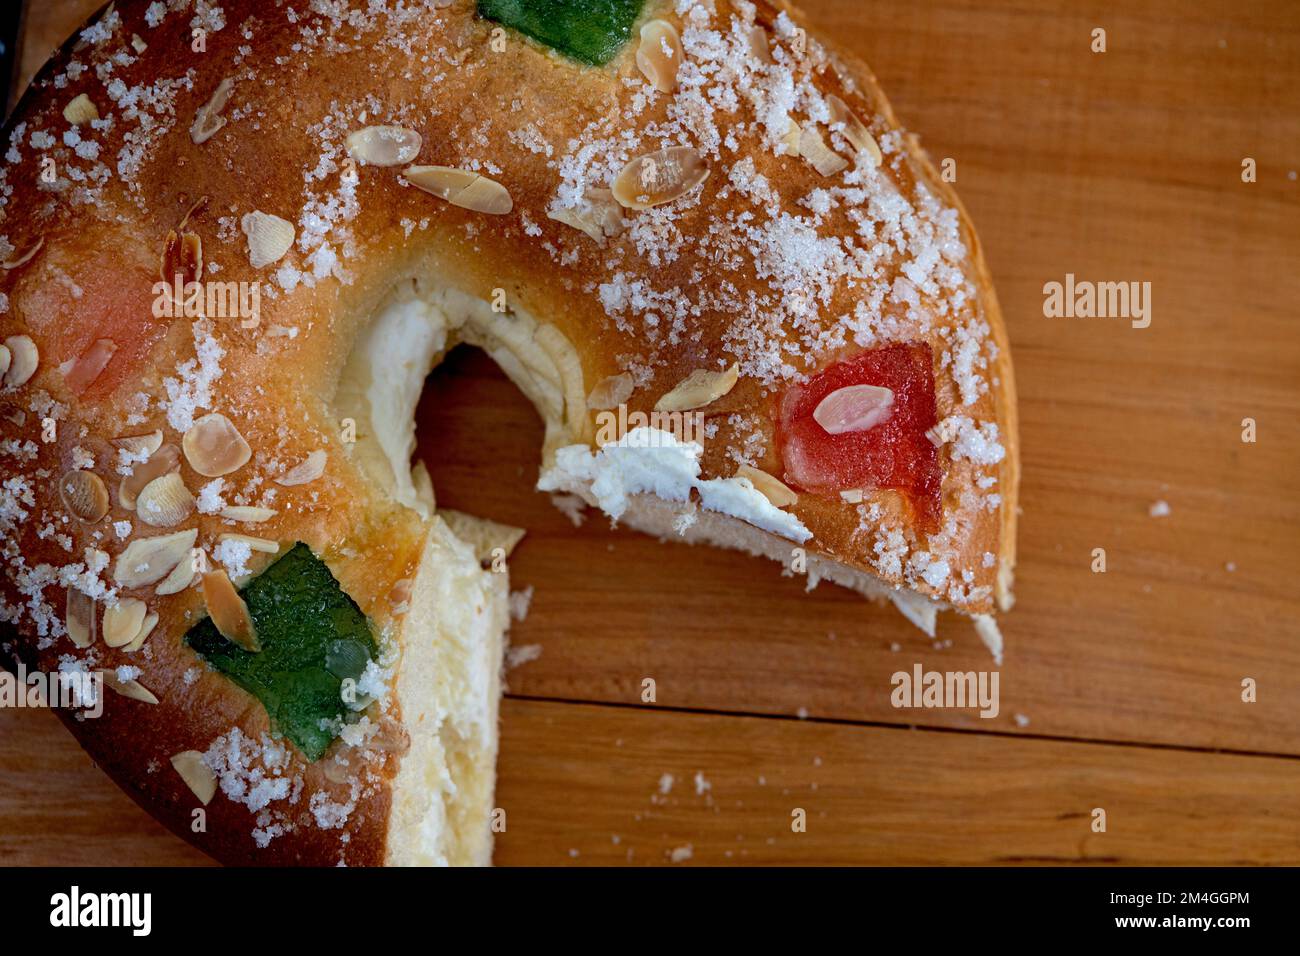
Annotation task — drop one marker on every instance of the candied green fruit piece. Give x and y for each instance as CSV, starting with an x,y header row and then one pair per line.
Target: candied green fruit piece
x,y
313,638
590,31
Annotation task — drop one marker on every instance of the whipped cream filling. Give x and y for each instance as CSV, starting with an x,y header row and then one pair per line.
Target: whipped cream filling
x,y
406,340
653,461
402,345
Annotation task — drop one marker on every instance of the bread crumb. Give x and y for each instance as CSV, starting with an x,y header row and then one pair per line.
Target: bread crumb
x,y
518,656
519,602
574,508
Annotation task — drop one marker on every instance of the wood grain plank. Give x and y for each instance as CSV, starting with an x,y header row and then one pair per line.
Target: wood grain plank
x,y
58,809
580,777
46,24
583,784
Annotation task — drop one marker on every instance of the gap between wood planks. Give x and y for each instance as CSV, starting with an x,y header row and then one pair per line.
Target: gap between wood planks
x,y
886,725
583,784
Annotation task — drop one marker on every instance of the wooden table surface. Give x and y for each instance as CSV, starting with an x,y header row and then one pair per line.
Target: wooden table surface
x,y
1120,691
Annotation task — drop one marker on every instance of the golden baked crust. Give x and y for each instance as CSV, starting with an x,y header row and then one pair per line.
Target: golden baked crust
x,y
769,264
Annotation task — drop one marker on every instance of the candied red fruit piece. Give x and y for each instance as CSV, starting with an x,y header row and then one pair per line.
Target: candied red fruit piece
x,y
893,454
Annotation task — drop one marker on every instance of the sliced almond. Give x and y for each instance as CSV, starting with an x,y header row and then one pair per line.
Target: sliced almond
x,y
194,207
137,642
208,119
391,738
462,187
854,408
600,216
400,593
269,237
165,502
852,496
81,372
659,177
180,577
820,156
148,560
127,688
80,110
699,389
384,145
83,493
309,469
197,775
611,392
26,257
265,545
770,487
140,446
214,447
191,256
759,48
137,44
484,195
80,618
123,620
228,611
659,54
182,257
855,131
167,458
249,514
23,359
